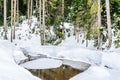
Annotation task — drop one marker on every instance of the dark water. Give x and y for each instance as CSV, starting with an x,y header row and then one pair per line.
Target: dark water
x,y
61,73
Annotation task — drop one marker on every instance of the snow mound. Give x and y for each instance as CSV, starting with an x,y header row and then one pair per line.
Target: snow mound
x,y
97,73
18,56
42,63
9,70
111,60
80,54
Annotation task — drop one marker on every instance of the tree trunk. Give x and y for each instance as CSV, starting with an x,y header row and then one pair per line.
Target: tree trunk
x,y
109,24
31,9
43,24
37,4
99,24
28,9
17,11
63,28
14,19
5,20
11,20
40,26
30,12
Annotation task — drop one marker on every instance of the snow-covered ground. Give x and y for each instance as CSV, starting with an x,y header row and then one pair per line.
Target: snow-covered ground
x,y
108,70
104,65
9,70
98,73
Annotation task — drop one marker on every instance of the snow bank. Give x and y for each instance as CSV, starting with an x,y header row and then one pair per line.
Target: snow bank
x,y
76,64
74,41
98,73
80,54
78,58
9,70
111,60
70,53
109,69
42,63
18,55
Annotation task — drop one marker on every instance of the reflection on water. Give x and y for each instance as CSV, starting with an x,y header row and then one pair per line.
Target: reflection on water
x,y
61,73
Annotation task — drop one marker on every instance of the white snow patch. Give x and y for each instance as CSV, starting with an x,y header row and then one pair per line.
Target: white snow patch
x,y
76,64
18,56
93,73
111,60
80,54
42,63
97,73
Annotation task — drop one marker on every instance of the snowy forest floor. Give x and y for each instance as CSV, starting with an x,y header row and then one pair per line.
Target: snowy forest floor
x,y
104,65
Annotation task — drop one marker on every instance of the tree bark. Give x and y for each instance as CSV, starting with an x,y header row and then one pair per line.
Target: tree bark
x,y
14,19
37,4
99,24
17,11
30,12
43,24
40,26
31,9
28,9
63,28
109,24
11,20
5,20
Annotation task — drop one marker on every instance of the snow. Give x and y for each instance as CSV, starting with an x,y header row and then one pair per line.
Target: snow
x,y
72,42
42,63
111,60
9,70
108,70
76,64
81,54
68,26
69,55
98,73
93,73
27,35
65,50
18,55
69,42
103,65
